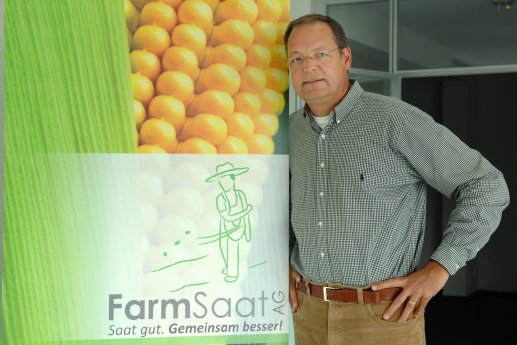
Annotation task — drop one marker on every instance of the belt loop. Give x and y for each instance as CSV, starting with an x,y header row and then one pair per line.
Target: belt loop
x,y
308,288
360,299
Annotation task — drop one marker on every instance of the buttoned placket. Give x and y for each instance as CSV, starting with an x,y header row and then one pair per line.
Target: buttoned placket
x,y
322,205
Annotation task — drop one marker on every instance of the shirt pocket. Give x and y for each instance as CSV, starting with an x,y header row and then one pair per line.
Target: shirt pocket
x,y
386,183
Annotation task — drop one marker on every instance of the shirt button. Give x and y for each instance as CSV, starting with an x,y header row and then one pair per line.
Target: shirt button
x,y
320,224
322,165
338,121
322,254
323,136
321,194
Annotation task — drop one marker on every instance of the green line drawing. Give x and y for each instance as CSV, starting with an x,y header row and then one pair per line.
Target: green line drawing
x,y
218,236
259,264
178,262
234,223
187,285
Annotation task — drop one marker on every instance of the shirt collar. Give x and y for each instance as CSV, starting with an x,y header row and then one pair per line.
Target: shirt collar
x,y
348,102
343,108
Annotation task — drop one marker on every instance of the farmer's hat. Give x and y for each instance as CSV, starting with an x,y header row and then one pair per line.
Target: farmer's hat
x,y
226,169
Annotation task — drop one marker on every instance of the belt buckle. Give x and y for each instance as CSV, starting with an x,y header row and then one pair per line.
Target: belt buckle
x,y
325,288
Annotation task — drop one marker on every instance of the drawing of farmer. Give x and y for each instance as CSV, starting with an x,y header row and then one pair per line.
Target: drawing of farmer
x,y
234,223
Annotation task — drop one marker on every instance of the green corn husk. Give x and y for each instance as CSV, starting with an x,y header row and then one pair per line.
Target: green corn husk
x,y
67,90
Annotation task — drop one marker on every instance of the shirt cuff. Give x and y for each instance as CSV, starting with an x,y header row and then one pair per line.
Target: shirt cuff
x,y
449,258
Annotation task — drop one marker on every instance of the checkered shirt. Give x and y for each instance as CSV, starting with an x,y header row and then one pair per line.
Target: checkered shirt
x,y
358,191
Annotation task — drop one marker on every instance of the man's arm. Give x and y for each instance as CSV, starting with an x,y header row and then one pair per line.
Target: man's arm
x,y
479,205
463,175
225,214
294,276
292,238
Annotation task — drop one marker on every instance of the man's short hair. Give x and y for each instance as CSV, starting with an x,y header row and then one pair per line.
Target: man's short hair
x,y
337,29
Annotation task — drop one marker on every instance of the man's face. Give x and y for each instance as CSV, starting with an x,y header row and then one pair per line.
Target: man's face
x,y
320,84
226,183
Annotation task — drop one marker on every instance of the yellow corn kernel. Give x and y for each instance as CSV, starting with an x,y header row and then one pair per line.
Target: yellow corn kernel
x,y
212,3
174,3
139,110
150,149
168,108
226,53
286,10
219,77
195,146
152,38
271,102
139,4
191,37
280,32
232,145
258,55
160,14
245,10
198,13
278,57
160,133
181,59
206,126
176,84
233,31
253,79
247,103
240,125
212,101
266,124
260,144
145,63
132,16
277,79
270,10
143,89
264,32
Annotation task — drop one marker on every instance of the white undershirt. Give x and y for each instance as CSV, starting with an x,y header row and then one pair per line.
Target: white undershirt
x,y
322,121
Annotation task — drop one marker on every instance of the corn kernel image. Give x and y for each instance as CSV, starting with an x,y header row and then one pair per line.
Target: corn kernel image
x,y
214,73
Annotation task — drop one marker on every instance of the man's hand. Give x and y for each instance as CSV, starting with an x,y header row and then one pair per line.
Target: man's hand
x,y
294,278
418,287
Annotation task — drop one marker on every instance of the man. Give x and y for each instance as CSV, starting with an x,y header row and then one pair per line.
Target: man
x,y
360,164
234,223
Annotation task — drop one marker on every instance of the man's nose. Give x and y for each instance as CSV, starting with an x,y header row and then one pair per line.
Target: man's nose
x,y
309,63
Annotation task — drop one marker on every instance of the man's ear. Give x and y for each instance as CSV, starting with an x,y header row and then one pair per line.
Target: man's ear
x,y
347,58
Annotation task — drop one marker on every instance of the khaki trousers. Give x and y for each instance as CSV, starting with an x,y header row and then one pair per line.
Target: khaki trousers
x,y
317,322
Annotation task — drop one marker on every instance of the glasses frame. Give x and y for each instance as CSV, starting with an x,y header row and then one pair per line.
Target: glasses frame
x,y
314,57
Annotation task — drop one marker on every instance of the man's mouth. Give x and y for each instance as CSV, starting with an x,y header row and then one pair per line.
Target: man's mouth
x,y
312,81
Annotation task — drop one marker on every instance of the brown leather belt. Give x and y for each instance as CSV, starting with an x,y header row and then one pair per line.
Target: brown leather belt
x,y
328,293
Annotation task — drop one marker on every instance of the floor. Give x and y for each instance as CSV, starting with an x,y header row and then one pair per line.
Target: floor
x,y
487,318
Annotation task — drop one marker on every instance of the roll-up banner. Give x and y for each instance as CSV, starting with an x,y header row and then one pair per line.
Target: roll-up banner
x,y
146,182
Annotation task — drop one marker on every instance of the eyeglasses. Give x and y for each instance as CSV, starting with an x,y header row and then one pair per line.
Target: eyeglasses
x,y
321,56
